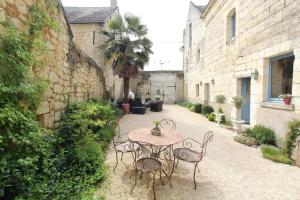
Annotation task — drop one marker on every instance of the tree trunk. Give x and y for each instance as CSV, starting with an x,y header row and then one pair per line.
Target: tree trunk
x,y
126,89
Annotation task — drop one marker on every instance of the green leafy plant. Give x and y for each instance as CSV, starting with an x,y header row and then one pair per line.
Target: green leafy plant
x,y
207,110
220,99
157,98
192,108
38,163
244,139
198,108
223,118
274,154
262,134
238,103
291,136
127,48
211,117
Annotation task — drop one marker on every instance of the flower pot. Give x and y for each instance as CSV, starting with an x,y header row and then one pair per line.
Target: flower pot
x,y
237,125
156,131
126,108
287,101
218,118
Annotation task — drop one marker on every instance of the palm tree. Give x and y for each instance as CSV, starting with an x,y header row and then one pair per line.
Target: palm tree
x,y
127,48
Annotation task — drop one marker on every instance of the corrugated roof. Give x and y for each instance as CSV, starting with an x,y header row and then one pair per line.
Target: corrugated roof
x,y
84,15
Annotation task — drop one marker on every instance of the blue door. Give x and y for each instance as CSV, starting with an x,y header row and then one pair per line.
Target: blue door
x,y
245,113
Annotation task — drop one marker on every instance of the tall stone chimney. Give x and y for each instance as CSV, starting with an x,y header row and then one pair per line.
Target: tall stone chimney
x,y
113,3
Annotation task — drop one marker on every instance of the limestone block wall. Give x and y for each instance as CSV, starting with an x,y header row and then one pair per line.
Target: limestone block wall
x,y
90,40
71,73
166,84
264,29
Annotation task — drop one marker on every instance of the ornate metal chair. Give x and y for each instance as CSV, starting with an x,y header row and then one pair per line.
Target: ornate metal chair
x,y
149,165
188,154
122,144
168,124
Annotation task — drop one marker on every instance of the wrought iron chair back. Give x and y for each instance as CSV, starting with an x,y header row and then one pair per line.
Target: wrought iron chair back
x,y
168,124
191,154
189,143
121,143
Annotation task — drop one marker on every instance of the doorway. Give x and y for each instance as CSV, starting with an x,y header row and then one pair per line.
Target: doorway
x,y
245,112
206,94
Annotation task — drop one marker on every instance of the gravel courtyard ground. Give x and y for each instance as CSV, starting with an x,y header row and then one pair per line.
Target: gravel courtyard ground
x,y
229,171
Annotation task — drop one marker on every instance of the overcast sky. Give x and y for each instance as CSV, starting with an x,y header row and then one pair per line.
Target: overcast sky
x,y
165,20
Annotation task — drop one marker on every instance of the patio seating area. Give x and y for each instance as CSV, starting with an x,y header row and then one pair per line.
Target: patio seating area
x,y
229,170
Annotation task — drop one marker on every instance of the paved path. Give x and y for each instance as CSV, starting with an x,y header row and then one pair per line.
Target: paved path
x,y
230,170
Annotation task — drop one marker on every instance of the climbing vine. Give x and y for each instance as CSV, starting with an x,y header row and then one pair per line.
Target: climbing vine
x,y
25,147
20,53
37,163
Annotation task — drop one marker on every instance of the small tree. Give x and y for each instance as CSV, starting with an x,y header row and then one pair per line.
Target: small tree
x,y
127,48
238,103
220,99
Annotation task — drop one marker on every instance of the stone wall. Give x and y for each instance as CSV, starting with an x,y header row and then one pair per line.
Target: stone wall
x,y
90,40
71,73
264,29
166,84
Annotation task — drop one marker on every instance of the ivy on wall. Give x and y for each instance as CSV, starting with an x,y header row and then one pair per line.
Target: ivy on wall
x,y
20,53
37,163
25,147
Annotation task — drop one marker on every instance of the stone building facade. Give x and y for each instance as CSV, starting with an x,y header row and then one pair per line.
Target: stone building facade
x,y
71,73
166,84
248,48
87,23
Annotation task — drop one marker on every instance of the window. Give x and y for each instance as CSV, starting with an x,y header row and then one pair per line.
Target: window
x,y
198,55
187,65
197,90
233,24
94,37
186,89
281,75
190,35
231,27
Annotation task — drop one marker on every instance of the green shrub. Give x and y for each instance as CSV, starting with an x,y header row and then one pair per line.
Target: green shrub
x,y
211,117
198,108
36,163
243,139
262,134
191,108
207,109
26,151
223,118
274,154
186,104
291,136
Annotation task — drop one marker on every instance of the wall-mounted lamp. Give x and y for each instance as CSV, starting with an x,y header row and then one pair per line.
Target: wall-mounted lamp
x,y
212,81
254,75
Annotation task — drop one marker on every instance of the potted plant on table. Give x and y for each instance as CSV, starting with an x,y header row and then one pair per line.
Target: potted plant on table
x,y
287,98
237,122
156,130
220,99
127,49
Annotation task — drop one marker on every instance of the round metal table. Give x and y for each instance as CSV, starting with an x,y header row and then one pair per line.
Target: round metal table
x,y
143,135
160,147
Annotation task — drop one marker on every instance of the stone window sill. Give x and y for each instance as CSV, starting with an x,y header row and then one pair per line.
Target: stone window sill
x,y
279,106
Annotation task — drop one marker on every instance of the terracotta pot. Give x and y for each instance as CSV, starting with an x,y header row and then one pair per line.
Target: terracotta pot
x,y
126,108
287,101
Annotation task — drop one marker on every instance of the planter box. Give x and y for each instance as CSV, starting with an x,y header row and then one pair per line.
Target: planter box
x,y
156,106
